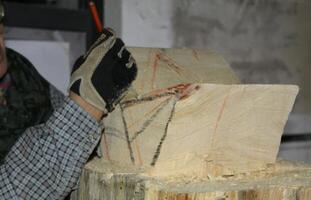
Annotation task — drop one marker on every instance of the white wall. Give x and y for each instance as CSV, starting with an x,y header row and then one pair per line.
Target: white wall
x,y
52,52
147,23
51,59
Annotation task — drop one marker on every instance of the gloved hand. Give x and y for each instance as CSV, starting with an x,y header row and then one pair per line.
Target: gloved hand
x,y
102,76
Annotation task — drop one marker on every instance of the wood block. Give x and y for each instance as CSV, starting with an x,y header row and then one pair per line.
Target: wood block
x,y
159,69
175,137
102,180
162,68
200,129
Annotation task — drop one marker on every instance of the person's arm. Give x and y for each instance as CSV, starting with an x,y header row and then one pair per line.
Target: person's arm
x,y
47,160
56,97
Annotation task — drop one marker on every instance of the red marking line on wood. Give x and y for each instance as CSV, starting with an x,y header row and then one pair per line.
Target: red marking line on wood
x,y
182,91
154,67
172,64
220,114
147,114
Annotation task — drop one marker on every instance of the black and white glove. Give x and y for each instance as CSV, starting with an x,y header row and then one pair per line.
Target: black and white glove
x,y
102,76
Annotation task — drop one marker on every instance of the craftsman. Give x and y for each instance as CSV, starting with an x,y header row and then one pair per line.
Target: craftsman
x,y
46,160
26,99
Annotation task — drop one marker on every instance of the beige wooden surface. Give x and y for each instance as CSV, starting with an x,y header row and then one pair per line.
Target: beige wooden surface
x,y
200,129
162,68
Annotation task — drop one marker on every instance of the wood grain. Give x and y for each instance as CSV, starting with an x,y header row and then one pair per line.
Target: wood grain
x,y
279,181
201,129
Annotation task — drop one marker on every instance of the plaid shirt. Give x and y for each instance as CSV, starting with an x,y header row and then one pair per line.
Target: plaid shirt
x,y
46,161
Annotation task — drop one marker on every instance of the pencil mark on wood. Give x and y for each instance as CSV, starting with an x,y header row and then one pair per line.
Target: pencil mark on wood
x,y
132,102
127,135
106,145
178,92
114,132
158,151
138,153
150,120
195,54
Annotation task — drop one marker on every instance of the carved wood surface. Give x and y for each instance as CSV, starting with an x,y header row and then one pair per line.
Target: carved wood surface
x,y
200,129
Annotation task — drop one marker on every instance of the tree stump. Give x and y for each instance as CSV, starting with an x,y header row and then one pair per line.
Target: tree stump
x,y
102,180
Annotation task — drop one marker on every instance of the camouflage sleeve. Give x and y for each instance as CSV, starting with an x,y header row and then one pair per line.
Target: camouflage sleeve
x,y
47,160
56,97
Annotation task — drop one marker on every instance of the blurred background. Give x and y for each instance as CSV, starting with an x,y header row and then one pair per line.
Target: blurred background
x,y
265,41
